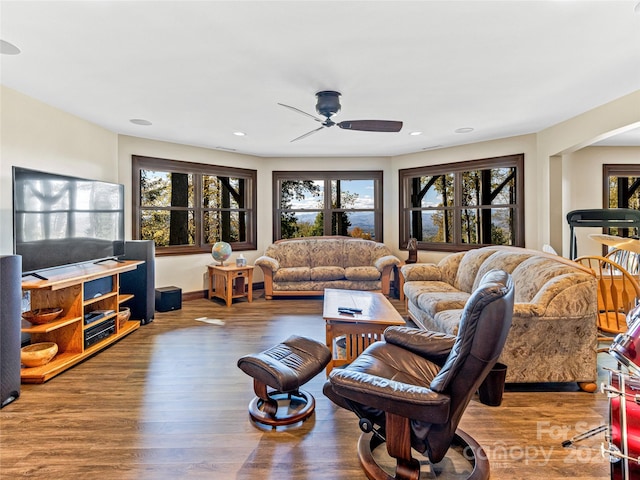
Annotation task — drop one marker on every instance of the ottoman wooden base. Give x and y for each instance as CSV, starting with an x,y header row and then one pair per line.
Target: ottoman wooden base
x,y
278,373
299,407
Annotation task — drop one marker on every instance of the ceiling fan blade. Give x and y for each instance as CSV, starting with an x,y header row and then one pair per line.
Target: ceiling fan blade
x,y
307,134
371,125
300,111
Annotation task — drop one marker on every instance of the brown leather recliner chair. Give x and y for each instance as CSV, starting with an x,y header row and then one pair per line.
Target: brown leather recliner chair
x,y
412,388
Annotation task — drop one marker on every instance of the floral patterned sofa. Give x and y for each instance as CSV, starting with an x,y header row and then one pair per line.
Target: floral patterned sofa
x,y
553,337
306,266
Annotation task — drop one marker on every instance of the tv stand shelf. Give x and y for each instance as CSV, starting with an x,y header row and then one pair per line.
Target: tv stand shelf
x,y
99,299
65,287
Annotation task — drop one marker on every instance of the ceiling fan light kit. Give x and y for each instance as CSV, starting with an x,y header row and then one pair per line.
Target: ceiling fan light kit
x,y
328,104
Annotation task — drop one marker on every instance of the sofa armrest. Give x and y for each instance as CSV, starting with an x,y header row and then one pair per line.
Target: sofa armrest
x,y
269,266
385,266
386,261
434,346
268,263
421,272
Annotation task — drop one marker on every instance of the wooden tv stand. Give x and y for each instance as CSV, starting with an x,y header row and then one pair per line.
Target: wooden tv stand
x,y
65,287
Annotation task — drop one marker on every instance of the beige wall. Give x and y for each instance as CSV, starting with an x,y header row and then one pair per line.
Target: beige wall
x,y
558,177
38,136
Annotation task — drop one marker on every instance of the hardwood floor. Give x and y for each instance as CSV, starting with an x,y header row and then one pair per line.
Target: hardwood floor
x,y
168,401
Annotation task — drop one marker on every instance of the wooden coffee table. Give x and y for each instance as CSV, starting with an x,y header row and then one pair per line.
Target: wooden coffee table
x,y
359,330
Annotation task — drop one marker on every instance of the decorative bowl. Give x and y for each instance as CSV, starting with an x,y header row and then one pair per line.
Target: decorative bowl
x,y
41,316
123,316
38,354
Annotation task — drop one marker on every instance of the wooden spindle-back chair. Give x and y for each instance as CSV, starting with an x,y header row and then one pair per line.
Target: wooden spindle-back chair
x,y
618,294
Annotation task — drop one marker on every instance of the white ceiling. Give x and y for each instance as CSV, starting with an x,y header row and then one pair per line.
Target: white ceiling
x,y
201,70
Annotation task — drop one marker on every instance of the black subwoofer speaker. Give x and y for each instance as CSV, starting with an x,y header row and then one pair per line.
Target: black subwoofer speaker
x,y
141,281
168,298
10,321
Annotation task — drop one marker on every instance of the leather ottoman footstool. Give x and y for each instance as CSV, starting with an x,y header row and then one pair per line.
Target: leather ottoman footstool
x,y
284,368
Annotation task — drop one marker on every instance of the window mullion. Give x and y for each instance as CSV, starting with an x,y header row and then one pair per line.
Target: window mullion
x,y
458,207
328,211
198,209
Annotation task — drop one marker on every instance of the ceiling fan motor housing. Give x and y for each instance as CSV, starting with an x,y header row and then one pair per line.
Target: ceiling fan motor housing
x,y
328,103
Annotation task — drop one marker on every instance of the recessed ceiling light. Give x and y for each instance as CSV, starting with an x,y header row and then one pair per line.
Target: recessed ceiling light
x,y
432,147
140,121
464,130
414,134
7,48
239,134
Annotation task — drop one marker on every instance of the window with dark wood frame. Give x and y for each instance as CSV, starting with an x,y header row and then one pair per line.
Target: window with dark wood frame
x,y
464,205
621,189
186,207
315,203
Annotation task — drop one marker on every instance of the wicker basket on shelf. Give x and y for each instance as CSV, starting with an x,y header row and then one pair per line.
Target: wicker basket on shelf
x,y
123,316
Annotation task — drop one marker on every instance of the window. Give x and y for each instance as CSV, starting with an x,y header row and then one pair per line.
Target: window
x,y
310,204
186,207
459,206
622,190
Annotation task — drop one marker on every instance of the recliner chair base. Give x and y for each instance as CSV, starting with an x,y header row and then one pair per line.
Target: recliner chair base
x,y
470,450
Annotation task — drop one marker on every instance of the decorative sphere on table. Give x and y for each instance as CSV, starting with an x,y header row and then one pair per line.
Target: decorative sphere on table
x,y
221,251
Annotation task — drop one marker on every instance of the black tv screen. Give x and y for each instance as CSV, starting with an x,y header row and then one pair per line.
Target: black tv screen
x,y
61,220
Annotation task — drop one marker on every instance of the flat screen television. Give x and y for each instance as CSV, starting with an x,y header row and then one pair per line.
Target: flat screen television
x,y
61,220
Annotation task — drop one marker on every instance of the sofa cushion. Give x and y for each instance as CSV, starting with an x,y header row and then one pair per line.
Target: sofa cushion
x,y
362,273
294,253
325,252
292,274
432,303
413,290
531,276
566,296
448,267
448,321
327,273
468,268
358,253
505,261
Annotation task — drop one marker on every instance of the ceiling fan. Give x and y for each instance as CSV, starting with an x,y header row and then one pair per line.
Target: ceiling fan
x,y
329,104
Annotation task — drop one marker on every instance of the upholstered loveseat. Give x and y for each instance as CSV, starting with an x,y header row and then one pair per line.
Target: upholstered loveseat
x,y
553,337
306,266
